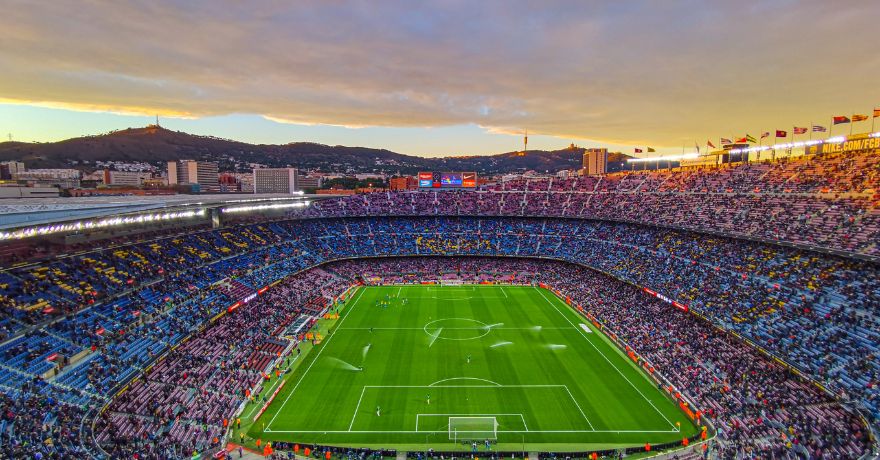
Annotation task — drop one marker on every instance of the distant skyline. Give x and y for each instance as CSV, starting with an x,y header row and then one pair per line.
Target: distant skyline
x,y
437,78
39,124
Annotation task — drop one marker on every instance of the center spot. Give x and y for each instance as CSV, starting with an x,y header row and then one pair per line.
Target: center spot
x,y
456,329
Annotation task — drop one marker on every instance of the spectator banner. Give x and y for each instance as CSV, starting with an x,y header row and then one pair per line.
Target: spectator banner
x,y
853,144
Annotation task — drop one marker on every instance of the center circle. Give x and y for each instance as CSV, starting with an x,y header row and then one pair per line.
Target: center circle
x,y
456,329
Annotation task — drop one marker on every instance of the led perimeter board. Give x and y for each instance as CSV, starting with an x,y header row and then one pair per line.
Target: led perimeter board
x,y
447,180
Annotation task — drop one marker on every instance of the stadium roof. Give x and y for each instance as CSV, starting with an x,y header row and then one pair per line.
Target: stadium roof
x,y
39,211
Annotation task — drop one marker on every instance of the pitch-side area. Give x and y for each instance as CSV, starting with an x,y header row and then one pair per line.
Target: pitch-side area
x,y
411,367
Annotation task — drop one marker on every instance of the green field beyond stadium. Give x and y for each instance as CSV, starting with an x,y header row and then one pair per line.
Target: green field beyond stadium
x,y
413,366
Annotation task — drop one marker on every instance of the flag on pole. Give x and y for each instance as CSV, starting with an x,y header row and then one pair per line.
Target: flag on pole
x,y
876,113
819,129
725,140
840,120
750,138
781,133
765,134
709,143
650,150
800,130
857,117
638,150
742,140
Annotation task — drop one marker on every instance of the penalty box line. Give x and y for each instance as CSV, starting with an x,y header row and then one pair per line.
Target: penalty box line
x,y
496,386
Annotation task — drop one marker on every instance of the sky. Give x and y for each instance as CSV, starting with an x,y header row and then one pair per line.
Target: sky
x,y
438,78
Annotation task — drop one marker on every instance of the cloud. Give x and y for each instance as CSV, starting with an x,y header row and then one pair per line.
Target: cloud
x,y
638,73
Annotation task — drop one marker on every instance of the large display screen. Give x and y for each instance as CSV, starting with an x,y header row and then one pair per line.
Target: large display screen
x,y
450,180
447,179
469,179
426,179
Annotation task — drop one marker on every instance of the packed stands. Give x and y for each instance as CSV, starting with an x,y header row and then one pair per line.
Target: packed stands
x,y
826,202
76,328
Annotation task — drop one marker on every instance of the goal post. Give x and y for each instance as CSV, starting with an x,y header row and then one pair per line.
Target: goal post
x,y
472,428
451,282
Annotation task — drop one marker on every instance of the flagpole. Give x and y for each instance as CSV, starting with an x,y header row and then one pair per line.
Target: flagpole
x,y
851,123
760,143
811,130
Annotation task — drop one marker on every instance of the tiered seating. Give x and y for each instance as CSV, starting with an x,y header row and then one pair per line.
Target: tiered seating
x,y
122,308
182,402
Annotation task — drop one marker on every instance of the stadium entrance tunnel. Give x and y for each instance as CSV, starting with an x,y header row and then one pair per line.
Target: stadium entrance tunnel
x,y
456,329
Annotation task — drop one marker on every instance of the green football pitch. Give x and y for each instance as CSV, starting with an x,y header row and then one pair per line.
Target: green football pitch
x,y
413,366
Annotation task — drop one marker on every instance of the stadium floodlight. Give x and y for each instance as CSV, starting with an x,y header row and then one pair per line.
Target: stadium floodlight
x,y
686,156
835,140
264,207
83,225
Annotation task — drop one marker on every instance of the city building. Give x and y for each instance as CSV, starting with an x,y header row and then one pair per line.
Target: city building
x,y
310,182
192,172
125,178
156,182
403,183
230,184
595,162
245,181
368,176
8,169
275,180
62,178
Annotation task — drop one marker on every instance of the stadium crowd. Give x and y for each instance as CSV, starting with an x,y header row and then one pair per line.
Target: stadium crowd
x,y
184,403
847,224
77,328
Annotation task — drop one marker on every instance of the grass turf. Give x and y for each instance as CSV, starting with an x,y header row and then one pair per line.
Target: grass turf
x,y
550,380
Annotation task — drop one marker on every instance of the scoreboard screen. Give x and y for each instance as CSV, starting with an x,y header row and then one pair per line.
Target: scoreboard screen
x,y
450,180
426,179
469,179
447,179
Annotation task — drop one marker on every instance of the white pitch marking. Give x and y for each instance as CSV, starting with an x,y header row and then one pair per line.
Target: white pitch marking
x,y
466,378
606,358
356,408
323,347
499,431
579,408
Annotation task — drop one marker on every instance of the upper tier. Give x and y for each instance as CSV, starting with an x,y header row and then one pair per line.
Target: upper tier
x,y
849,226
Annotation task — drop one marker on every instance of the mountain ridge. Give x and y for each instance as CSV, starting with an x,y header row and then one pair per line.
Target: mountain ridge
x,y
157,145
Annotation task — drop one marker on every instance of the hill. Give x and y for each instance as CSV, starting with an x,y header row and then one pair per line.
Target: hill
x,y
158,145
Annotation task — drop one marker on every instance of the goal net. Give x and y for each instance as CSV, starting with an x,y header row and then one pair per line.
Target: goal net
x,y
472,428
451,282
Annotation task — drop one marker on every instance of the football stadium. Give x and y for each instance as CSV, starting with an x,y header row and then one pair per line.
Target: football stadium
x,y
439,230
523,318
